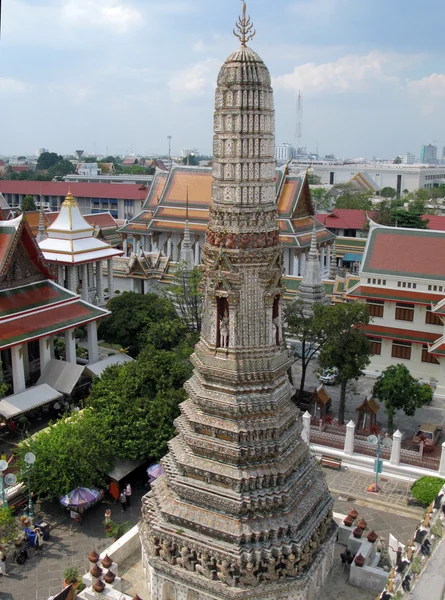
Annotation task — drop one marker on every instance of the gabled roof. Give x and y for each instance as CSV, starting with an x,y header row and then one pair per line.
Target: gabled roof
x,y
369,292
17,231
32,218
344,218
369,405
405,252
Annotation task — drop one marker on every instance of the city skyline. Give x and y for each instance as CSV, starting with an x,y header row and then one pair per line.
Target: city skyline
x,y
372,77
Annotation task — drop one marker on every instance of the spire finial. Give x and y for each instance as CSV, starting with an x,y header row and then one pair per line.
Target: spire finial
x,y
244,26
187,204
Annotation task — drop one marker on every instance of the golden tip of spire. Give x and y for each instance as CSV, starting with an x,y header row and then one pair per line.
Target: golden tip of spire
x,y
245,27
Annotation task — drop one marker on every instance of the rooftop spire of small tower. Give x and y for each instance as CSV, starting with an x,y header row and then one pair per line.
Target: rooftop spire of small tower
x,y
333,265
244,26
186,248
41,235
311,290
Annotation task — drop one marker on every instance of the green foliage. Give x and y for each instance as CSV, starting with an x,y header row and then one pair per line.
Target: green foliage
x,y
399,390
347,348
28,204
71,574
350,197
426,489
137,402
3,386
116,530
186,295
191,160
70,453
47,160
397,160
8,526
62,168
313,179
321,199
388,192
131,315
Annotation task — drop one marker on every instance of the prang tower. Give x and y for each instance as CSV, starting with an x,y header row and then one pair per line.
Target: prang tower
x,y
243,510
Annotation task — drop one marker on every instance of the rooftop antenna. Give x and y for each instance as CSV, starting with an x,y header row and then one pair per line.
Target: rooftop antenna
x,y
299,121
169,137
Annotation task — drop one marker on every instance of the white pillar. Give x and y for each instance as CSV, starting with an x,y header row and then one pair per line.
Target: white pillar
x,y
99,282
93,349
323,253
349,439
169,247
396,447
328,261
110,278
84,291
45,352
196,253
442,462
125,246
306,432
26,359
18,370
303,263
60,275
70,346
72,278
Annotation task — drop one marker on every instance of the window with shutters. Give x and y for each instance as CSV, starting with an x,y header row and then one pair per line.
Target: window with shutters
x,y
427,357
401,349
431,318
404,312
376,345
375,307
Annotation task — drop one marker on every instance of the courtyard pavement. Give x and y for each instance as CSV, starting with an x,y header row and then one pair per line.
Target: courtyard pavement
x,y
70,543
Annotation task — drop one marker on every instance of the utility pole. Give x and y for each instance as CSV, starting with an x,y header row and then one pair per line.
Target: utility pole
x,y
169,137
299,121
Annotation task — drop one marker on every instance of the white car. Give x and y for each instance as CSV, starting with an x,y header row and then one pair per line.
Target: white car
x,y
329,376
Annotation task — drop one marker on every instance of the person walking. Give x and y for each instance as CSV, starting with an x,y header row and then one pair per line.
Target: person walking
x,y
128,494
123,501
3,562
107,516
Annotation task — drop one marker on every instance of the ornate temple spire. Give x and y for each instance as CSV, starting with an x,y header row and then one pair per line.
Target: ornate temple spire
x,y
187,256
244,26
41,235
312,290
333,265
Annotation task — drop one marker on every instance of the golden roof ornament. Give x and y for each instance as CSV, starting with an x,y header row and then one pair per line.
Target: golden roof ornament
x,y
244,26
69,199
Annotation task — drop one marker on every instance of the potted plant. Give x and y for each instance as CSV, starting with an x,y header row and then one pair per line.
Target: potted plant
x,y
71,577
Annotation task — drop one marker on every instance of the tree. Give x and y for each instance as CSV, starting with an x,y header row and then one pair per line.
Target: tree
x,y
131,314
8,526
397,160
388,192
313,179
28,204
70,453
62,168
321,199
427,488
353,198
186,295
311,332
190,160
47,160
347,348
399,390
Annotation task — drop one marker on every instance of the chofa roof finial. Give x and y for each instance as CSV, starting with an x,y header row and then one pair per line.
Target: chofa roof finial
x,y
244,27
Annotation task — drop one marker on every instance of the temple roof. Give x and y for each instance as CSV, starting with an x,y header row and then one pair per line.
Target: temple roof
x,y
404,252
71,239
35,310
406,335
395,295
369,405
165,207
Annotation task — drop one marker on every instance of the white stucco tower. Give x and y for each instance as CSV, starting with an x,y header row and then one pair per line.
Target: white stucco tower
x,y
243,511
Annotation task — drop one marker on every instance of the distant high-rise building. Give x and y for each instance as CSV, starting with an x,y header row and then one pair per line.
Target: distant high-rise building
x,y
428,154
189,152
408,158
40,151
285,152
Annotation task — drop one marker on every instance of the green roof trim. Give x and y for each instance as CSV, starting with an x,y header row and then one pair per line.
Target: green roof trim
x,y
62,295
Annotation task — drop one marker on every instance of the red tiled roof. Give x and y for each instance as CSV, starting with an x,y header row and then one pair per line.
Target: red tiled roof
x,y
435,222
125,191
392,295
30,297
409,252
417,337
102,220
344,218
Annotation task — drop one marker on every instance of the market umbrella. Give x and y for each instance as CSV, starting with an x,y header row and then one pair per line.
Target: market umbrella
x,y
80,498
154,472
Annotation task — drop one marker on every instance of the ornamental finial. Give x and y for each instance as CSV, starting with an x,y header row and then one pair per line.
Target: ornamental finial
x,y
244,27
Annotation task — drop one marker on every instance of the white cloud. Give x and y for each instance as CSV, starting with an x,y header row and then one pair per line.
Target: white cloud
x,y
351,73
117,16
433,85
195,80
11,85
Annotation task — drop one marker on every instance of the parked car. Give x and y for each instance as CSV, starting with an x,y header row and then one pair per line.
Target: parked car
x,y
297,349
429,434
329,376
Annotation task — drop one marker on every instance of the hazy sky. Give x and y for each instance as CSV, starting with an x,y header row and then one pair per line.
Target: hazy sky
x,y
110,75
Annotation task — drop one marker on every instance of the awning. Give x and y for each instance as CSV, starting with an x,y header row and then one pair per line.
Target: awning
x,y
61,375
348,257
123,468
14,405
99,367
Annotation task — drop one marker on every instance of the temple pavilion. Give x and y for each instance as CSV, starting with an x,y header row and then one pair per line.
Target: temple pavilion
x,y
77,254
33,310
243,510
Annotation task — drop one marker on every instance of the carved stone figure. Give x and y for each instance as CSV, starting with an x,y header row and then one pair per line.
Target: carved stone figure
x,y
271,573
249,576
224,330
167,552
206,566
225,573
186,560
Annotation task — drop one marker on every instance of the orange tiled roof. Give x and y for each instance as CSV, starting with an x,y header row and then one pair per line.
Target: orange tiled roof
x,y
395,295
417,337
